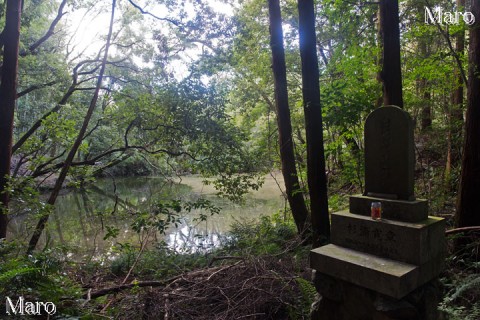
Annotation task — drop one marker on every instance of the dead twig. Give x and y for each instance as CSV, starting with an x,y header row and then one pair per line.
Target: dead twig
x,y
223,269
224,258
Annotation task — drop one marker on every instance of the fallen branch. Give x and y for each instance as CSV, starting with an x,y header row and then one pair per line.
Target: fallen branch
x,y
99,293
460,230
115,289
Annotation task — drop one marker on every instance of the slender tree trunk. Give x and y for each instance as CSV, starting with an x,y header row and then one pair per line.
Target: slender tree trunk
x,y
63,173
391,74
455,115
459,49
317,179
468,206
424,90
426,113
379,60
423,85
289,171
8,96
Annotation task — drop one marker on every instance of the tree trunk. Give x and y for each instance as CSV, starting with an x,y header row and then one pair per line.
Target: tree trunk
x,y
8,96
379,60
423,84
424,90
455,115
426,113
468,206
63,173
458,93
391,73
289,171
317,179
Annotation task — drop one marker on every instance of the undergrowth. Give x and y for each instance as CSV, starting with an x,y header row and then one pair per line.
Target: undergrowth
x,y
260,270
38,277
461,281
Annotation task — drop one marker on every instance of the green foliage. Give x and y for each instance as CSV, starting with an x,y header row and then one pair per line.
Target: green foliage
x,y
161,262
308,293
164,263
159,217
124,260
39,277
337,202
112,232
27,197
461,281
234,186
162,215
133,163
470,283
10,275
271,235
461,302
148,122
206,206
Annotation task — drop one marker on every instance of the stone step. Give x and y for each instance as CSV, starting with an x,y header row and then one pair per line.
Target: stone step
x,y
414,243
389,277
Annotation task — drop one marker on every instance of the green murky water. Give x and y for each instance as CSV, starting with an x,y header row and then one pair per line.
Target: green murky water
x,y
82,218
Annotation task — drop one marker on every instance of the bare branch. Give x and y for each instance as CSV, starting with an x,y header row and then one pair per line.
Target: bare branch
x,y
94,160
461,230
176,23
49,32
73,87
36,87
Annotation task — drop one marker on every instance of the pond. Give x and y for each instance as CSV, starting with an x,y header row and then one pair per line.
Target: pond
x,y
82,218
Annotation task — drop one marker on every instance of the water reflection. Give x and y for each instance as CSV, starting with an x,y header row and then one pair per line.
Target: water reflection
x,y
82,218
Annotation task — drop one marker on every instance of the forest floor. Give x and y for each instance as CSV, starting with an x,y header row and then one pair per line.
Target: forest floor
x,y
261,273
255,288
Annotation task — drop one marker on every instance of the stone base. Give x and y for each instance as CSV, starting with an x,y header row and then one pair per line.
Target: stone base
x,y
340,300
413,243
400,210
389,277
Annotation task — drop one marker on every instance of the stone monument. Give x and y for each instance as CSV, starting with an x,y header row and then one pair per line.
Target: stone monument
x,y
382,269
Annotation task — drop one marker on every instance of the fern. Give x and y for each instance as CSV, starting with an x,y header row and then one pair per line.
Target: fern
x,y
471,282
308,293
7,276
461,303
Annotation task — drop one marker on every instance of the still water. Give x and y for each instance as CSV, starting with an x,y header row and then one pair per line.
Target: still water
x,y
82,218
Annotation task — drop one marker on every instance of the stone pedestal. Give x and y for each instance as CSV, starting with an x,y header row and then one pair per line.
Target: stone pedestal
x,y
373,268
